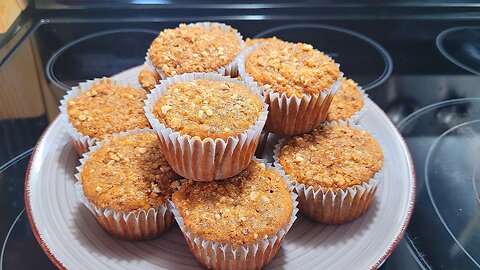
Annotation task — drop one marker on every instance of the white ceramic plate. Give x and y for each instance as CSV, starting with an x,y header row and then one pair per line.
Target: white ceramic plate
x,y
70,236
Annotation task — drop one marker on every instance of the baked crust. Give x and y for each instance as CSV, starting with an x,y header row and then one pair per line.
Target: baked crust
x,y
106,109
245,208
208,109
291,68
193,48
334,157
129,173
347,101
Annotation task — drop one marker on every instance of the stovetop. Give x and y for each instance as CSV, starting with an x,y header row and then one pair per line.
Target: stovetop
x,y
394,52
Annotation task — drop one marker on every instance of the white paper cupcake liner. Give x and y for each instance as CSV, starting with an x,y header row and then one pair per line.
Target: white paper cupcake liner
x,y
207,159
335,207
227,70
357,116
131,226
291,115
216,255
81,142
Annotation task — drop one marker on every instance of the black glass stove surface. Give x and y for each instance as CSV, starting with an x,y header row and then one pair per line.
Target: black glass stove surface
x,y
461,45
446,223
413,75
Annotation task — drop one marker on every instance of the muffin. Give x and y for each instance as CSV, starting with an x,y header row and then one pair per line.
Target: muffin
x,y
239,222
209,125
198,47
347,103
298,83
99,108
126,183
148,79
335,171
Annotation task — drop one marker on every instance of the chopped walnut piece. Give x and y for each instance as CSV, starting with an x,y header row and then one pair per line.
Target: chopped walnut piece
x,y
141,150
148,79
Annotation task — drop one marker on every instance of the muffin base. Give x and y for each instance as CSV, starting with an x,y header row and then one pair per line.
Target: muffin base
x,y
207,159
335,207
291,115
330,206
143,225
215,255
130,226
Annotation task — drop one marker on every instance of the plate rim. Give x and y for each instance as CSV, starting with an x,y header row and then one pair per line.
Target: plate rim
x,y
388,252
412,194
28,208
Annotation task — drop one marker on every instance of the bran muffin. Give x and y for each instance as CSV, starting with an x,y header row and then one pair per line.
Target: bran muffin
x,y
129,175
332,161
208,109
209,125
102,107
298,83
347,102
248,209
148,79
199,47
291,68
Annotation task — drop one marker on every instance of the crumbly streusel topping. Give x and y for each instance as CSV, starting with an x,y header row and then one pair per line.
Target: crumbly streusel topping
x,y
242,209
347,101
208,109
291,68
194,48
129,173
333,157
106,109
253,41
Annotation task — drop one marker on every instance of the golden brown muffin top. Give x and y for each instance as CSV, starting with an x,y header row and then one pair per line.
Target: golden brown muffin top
x,y
254,41
129,173
148,79
208,109
335,157
106,108
347,101
291,68
193,48
241,209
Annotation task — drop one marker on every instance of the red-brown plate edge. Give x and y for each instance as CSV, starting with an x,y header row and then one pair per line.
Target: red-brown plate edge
x,y
28,208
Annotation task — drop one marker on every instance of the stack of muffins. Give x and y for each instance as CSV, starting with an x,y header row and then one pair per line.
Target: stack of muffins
x,y
186,149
